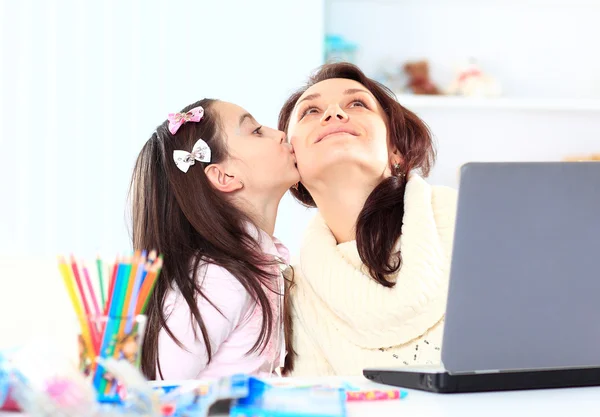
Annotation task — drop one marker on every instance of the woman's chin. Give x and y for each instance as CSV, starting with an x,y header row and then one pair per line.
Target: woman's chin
x,y
342,163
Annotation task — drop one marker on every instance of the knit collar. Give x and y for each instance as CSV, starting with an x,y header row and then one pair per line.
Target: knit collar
x,y
365,312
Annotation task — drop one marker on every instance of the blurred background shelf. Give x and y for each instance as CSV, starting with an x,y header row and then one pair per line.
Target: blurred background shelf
x,y
543,53
502,103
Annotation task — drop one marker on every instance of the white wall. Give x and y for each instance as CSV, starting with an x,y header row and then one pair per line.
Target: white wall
x,y
84,84
537,48
487,135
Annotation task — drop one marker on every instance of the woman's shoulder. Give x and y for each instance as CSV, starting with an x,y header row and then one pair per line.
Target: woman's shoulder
x,y
444,199
443,194
443,202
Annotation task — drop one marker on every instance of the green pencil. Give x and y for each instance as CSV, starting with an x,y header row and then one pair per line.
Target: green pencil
x,y
101,281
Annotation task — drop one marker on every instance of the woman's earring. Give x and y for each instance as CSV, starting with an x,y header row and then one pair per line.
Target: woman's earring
x,y
397,170
295,186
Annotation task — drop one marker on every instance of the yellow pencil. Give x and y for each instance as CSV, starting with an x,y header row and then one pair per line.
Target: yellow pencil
x,y
85,331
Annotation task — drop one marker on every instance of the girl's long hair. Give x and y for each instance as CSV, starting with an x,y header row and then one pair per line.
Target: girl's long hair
x,y
187,220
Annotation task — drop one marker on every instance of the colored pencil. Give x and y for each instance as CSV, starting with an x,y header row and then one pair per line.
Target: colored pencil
x,y
75,269
94,331
83,322
92,293
129,291
99,266
111,329
139,279
131,281
111,285
86,308
148,285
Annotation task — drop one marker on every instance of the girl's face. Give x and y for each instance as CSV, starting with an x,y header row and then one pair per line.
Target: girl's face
x,y
258,156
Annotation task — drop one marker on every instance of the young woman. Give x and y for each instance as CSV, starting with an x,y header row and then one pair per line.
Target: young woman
x,y
372,273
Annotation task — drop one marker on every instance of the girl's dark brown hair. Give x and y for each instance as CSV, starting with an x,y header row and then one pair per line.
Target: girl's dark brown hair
x,y
187,220
379,224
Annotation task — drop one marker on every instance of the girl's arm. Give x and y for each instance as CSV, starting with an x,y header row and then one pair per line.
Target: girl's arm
x,y
232,304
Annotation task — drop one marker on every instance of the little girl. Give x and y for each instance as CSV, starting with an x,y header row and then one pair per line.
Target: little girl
x,y
205,192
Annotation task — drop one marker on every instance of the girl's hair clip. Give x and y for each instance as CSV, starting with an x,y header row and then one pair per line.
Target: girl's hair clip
x,y
200,152
176,120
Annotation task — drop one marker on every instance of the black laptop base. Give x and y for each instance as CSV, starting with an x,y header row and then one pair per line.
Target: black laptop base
x,y
504,381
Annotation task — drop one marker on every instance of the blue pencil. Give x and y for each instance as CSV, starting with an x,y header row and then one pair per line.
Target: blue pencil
x,y
111,329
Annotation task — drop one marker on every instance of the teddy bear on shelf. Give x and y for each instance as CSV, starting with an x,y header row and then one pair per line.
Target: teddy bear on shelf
x,y
418,78
471,81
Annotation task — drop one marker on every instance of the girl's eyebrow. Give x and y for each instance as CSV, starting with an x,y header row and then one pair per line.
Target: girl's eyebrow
x,y
245,116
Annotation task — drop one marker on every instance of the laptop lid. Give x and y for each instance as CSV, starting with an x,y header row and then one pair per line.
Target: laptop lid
x,y
525,276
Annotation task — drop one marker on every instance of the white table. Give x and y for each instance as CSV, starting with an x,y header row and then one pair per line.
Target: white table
x,y
573,402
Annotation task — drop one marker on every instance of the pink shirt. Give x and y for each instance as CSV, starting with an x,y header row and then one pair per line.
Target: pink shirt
x,y
232,333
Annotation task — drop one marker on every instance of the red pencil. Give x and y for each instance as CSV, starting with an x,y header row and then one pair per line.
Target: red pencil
x,y
111,285
91,291
86,306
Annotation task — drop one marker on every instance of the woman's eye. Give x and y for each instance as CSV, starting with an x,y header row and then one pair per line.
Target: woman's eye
x,y
258,131
357,103
310,110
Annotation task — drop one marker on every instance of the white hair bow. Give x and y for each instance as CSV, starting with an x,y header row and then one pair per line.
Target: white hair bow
x,y
200,152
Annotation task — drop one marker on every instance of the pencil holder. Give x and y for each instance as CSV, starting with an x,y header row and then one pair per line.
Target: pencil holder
x,y
120,338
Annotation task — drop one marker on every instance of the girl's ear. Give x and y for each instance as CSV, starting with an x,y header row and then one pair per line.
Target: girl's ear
x,y
221,180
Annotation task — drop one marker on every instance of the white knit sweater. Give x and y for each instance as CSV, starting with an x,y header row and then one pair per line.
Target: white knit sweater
x,y
345,321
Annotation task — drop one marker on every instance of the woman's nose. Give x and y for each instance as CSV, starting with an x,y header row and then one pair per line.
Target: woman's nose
x,y
334,112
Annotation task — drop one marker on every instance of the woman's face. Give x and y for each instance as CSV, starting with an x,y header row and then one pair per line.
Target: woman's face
x,y
336,128
259,155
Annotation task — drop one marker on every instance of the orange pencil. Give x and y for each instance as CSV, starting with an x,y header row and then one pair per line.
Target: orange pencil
x,y
140,300
130,284
148,285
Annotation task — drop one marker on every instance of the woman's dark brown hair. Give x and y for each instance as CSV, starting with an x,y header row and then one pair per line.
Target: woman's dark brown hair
x,y
187,220
379,224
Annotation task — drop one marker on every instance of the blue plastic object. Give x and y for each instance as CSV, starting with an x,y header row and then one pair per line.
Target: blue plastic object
x,y
337,49
271,400
4,382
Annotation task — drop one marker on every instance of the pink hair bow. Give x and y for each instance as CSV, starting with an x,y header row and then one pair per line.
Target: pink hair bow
x,y
178,119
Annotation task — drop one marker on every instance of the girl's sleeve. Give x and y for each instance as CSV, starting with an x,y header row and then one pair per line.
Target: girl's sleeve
x,y
228,306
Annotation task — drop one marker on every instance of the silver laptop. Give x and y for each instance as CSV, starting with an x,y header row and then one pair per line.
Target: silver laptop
x,y
523,306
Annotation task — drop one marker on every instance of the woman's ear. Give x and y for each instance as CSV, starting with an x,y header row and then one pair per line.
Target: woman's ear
x,y
396,158
221,180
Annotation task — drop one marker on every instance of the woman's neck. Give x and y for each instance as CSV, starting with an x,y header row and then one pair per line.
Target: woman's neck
x,y
340,203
